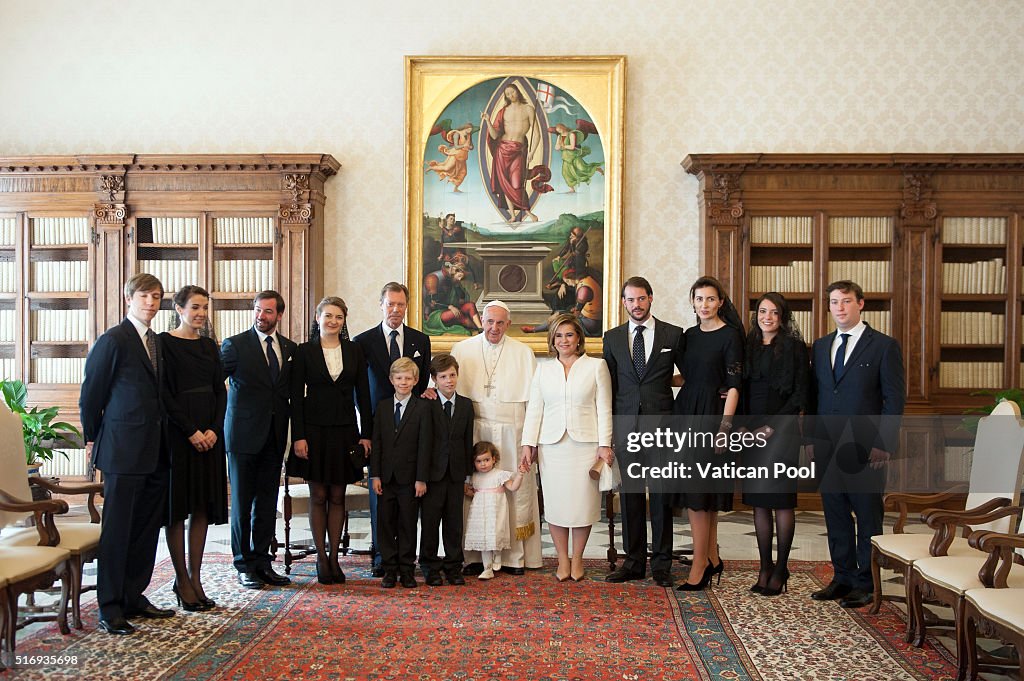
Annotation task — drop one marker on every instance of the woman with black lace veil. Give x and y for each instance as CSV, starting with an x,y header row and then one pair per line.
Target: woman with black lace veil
x,y
775,384
711,379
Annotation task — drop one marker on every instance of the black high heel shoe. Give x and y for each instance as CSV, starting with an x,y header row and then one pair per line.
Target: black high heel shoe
x,y
323,573
757,588
705,581
783,585
336,574
198,606
716,569
208,602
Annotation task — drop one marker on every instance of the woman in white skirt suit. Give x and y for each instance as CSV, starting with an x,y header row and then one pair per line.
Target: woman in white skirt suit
x,y
569,424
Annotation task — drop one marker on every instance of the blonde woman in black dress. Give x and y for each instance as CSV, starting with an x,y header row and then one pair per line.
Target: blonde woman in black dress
x,y
329,381
196,399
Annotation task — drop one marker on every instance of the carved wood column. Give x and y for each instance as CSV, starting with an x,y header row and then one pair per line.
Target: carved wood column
x,y
299,251
110,215
916,238
721,204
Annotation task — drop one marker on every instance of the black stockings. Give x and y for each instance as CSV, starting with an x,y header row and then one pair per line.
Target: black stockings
x,y
771,574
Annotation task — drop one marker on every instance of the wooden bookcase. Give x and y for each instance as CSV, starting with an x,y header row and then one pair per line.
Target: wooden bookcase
x,y
935,240
74,228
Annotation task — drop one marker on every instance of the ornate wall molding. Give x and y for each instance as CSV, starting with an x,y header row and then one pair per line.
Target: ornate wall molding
x,y
110,213
918,208
724,202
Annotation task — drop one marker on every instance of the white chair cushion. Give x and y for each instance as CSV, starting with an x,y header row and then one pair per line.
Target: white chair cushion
x,y
1005,606
75,537
911,547
357,498
21,562
960,573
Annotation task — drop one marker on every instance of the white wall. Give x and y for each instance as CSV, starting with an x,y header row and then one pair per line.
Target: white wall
x,y
210,76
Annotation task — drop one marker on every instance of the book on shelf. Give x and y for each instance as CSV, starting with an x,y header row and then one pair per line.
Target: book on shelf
x,y
60,231
8,227
74,464
7,326
975,230
56,276
804,324
7,367
781,229
879,320
972,328
227,323
970,375
58,369
175,231
872,275
243,276
860,230
239,230
165,320
974,278
60,325
8,276
173,274
796,277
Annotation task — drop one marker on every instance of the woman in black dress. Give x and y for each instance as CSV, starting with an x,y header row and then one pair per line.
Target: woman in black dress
x,y
195,399
775,380
712,374
327,372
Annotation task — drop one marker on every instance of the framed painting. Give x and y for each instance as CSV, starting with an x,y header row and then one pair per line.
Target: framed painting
x,y
514,193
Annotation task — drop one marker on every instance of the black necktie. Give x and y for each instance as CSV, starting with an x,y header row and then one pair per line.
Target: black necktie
x,y
275,366
151,348
639,360
398,414
393,347
448,409
840,364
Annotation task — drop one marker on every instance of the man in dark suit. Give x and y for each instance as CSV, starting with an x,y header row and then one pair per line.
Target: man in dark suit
x,y
123,420
258,366
399,467
382,344
450,465
861,391
641,365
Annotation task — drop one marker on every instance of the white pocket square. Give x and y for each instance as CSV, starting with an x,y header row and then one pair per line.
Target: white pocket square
x,y
666,349
416,354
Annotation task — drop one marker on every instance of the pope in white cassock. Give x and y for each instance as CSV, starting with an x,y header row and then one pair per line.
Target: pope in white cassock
x,y
495,373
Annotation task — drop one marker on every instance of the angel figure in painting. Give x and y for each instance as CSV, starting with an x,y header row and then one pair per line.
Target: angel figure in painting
x,y
459,143
575,169
512,134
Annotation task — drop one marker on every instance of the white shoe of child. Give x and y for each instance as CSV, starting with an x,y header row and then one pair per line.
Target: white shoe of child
x,y
486,574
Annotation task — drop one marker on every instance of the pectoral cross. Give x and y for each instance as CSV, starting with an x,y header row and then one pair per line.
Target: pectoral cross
x,y
487,386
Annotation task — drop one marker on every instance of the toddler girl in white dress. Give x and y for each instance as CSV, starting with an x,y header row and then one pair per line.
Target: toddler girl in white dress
x,y
487,524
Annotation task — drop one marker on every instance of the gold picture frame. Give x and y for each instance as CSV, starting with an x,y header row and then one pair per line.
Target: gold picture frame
x,y
514,173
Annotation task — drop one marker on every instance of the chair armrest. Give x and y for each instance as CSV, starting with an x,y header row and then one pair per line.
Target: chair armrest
x,y
945,524
43,512
90,488
933,516
904,502
1002,550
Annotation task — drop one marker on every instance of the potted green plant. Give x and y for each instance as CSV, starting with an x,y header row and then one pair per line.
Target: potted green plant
x,y
41,432
970,423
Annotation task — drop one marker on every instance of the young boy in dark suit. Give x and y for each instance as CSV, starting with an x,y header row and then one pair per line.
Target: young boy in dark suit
x,y
399,464
451,463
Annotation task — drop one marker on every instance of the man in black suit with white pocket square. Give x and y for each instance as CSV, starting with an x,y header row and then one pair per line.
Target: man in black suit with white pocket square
x,y
257,363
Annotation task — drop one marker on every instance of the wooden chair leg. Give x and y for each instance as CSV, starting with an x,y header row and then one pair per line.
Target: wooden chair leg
x,y
75,567
970,649
916,634
960,636
876,580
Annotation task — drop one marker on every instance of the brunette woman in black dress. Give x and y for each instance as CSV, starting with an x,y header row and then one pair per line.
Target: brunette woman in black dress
x,y
712,374
775,384
196,399
329,381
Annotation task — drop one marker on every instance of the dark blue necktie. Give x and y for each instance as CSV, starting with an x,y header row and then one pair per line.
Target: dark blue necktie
x,y
393,347
448,409
275,366
839,366
639,361
398,414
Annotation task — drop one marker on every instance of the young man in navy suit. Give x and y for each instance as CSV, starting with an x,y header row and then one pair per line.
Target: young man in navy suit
x,y
450,465
382,344
123,420
257,363
399,466
861,391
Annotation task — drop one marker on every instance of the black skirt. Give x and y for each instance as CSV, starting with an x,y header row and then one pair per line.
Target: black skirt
x,y
329,461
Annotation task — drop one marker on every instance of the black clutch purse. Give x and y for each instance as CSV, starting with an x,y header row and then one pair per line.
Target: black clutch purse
x,y
357,455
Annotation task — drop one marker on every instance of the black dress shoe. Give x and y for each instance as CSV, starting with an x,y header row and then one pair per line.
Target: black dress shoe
x,y
622,574
119,626
473,569
150,612
434,579
407,580
270,577
662,578
833,592
856,599
455,577
389,581
377,571
513,571
250,580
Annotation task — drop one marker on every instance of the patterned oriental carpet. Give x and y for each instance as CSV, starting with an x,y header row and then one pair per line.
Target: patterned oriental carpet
x,y
521,628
